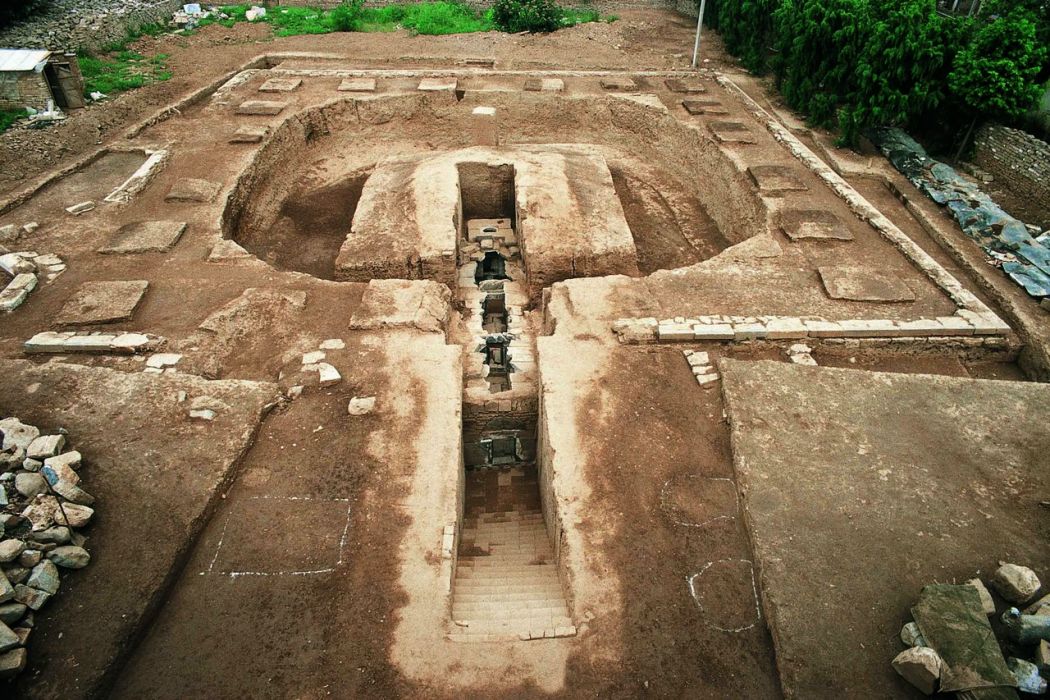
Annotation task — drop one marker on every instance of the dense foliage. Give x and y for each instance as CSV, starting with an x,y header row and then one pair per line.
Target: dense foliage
x,y
855,64
526,15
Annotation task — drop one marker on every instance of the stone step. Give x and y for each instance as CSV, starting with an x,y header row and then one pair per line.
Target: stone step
x,y
512,626
468,571
481,608
508,561
511,598
459,613
508,585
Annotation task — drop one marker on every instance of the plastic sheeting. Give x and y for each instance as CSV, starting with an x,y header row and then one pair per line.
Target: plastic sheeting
x,y
1005,239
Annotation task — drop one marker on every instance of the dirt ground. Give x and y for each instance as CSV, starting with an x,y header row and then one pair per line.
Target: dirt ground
x,y
640,39
851,515
305,552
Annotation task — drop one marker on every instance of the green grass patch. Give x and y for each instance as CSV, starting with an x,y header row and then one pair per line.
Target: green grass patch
x,y
9,117
429,18
122,70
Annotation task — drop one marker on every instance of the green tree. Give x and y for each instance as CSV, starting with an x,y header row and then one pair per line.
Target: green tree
x,y
818,43
997,73
747,30
900,69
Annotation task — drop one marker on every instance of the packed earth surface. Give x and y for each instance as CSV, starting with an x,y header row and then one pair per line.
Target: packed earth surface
x,y
493,365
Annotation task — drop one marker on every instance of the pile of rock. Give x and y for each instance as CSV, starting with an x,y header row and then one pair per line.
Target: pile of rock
x,y
1023,638
25,270
42,507
68,24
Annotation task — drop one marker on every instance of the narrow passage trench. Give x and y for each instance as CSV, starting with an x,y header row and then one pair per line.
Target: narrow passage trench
x,y
506,583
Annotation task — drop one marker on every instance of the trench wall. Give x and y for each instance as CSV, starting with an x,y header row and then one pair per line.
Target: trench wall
x,y
651,133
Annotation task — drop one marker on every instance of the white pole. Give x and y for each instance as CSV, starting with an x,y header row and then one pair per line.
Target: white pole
x,y
699,23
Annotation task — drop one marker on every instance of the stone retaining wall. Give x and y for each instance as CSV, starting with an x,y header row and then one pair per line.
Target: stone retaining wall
x,y
86,24
1018,160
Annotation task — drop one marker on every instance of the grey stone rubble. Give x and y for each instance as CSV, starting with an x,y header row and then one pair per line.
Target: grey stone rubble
x,y
739,328
95,342
1006,240
71,24
26,270
1028,633
701,367
42,507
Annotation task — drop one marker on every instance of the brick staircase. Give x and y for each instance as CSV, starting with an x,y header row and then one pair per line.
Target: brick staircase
x,y
507,586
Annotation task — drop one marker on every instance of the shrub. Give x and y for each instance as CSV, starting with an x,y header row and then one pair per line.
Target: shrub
x,y
526,15
346,17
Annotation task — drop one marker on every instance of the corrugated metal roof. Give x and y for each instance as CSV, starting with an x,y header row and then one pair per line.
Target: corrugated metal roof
x,y
21,59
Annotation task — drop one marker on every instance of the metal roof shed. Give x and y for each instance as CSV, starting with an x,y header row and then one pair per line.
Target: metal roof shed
x,y
31,77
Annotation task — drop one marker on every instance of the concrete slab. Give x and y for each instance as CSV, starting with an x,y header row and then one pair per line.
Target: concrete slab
x,y
775,179
620,83
249,134
137,442
438,84
261,107
188,189
357,85
544,85
813,224
855,283
102,302
861,487
684,86
732,132
697,107
145,237
280,85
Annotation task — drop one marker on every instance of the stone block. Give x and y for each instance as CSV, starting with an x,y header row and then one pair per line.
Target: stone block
x,y
438,84
786,327
698,107
819,328
188,189
545,85
954,325
81,208
749,331
673,332
357,85
713,331
854,283
621,83
145,237
281,85
684,86
249,134
732,132
102,302
261,108
775,179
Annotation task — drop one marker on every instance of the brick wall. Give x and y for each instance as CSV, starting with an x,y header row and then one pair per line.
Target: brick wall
x,y
25,89
1020,162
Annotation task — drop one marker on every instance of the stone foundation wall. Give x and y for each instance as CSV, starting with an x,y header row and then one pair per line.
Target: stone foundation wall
x,y
1019,161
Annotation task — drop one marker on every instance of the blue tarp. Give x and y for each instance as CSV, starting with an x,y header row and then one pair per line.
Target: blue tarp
x,y
1005,239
